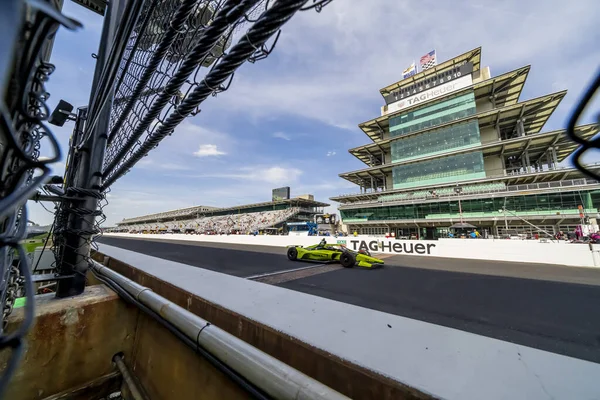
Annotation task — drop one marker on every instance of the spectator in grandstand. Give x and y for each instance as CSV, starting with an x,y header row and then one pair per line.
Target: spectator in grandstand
x,y
578,232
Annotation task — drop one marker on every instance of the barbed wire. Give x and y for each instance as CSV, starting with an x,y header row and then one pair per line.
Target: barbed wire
x,y
22,170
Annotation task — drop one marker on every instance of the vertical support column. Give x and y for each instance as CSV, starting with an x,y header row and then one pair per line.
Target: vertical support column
x,y
527,161
554,158
88,179
520,128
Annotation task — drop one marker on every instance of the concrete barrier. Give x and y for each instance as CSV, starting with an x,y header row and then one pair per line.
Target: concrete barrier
x,y
432,359
561,253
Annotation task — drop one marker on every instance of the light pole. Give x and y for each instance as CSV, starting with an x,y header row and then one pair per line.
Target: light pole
x,y
505,219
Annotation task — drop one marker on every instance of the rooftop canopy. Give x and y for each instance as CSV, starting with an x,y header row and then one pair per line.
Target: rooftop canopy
x,y
293,202
473,56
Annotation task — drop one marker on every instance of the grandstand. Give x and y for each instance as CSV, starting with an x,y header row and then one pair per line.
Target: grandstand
x,y
269,217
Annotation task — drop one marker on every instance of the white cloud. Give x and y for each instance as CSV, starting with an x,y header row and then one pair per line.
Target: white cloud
x,y
208,150
272,175
342,89
150,163
330,153
278,174
282,135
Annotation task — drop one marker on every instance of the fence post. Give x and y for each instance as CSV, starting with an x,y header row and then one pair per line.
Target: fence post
x,y
79,227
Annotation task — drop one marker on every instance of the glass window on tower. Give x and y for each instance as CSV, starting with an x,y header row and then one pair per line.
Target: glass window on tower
x,y
440,141
433,114
441,170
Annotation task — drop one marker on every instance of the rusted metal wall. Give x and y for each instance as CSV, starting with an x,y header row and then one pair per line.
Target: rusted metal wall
x,y
351,380
72,342
168,369
71,346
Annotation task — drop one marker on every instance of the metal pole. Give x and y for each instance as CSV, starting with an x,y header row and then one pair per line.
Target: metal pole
x,y
136,393
71,161
88,175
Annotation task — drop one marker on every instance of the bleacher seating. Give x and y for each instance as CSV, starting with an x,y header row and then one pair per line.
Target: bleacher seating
x,y
244,222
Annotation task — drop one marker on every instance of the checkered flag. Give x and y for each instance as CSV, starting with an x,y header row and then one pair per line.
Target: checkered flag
x,y
428,60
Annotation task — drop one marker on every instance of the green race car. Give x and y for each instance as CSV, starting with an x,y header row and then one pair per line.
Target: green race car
x,y
325,253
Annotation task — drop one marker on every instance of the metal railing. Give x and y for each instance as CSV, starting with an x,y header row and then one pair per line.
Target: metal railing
x,y
478,193
591,166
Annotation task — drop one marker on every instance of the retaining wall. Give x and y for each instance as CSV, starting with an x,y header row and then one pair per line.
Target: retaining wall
x,y
363,353
563,253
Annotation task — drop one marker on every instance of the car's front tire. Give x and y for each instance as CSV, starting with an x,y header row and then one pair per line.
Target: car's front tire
x,y
292,254
347,260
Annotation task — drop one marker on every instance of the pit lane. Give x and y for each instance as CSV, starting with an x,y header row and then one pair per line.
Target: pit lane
x,y
547,307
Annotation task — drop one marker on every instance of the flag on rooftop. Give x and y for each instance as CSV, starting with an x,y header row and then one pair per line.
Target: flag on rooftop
x,y
428,60
410,71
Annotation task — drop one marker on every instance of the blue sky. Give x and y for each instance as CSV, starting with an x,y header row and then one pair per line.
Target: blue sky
x,y
290,119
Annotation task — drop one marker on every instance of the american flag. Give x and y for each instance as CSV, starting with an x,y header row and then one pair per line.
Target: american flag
x,y
428,60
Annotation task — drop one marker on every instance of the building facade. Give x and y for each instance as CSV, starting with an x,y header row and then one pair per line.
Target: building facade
x,y
454,144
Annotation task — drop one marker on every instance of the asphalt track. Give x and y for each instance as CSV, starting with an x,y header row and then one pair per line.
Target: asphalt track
x,y
548,307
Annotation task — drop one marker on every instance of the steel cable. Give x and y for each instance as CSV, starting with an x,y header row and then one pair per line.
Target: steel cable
x,y
182,14
267,25
227,15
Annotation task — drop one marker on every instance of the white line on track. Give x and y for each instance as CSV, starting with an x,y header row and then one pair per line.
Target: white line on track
x,y
284,272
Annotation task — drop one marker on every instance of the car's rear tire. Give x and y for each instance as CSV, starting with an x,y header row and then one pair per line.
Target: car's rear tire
x,y
292,254
347,260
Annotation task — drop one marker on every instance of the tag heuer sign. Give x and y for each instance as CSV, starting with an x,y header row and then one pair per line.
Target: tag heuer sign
x,y
422,97
430,82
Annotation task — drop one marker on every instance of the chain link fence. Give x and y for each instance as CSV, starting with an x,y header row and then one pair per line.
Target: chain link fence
x,y
27,149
